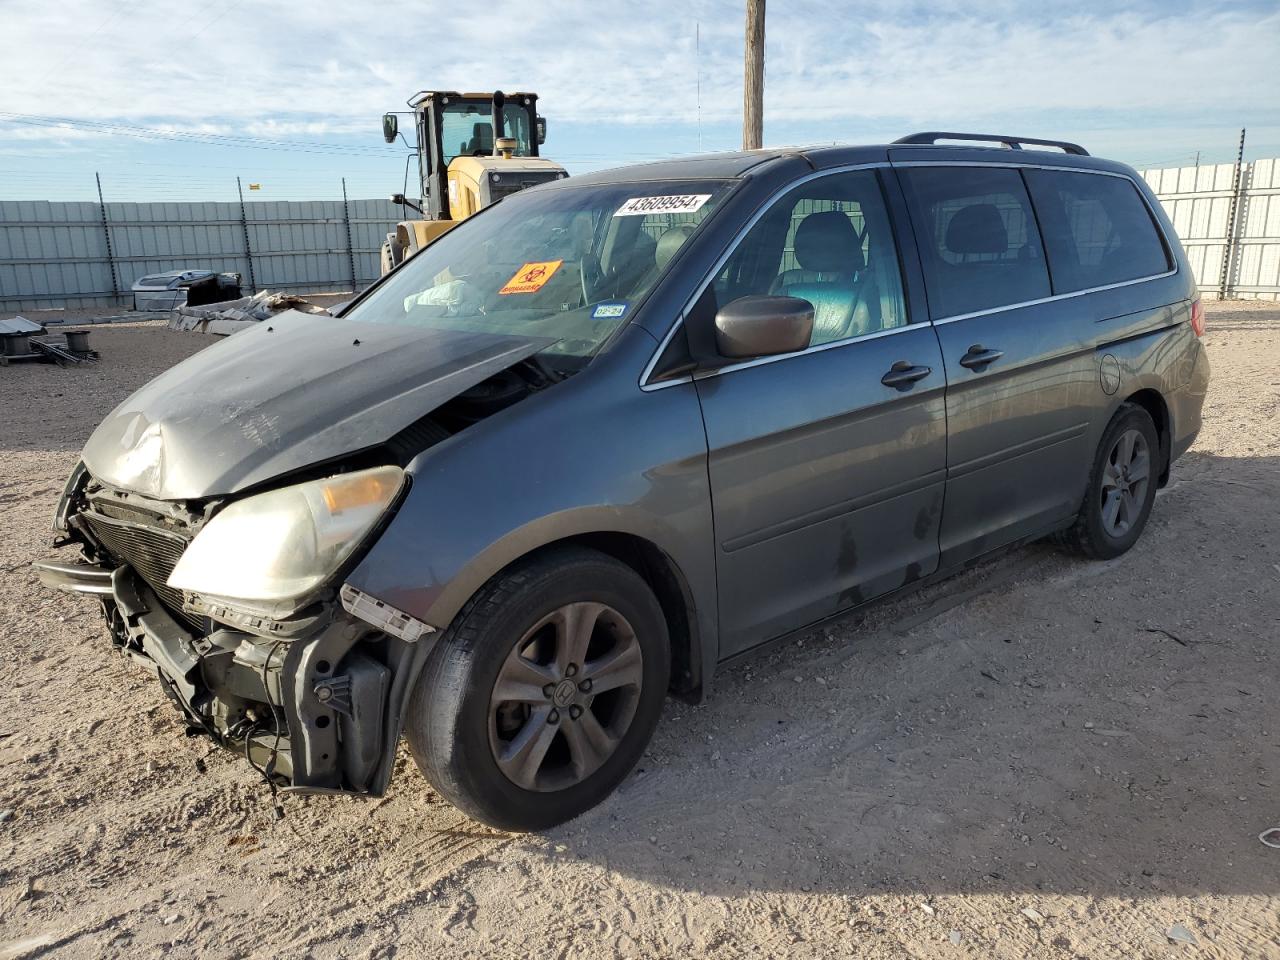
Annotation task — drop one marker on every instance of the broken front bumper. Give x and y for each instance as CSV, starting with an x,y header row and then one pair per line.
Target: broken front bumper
x,y
320,712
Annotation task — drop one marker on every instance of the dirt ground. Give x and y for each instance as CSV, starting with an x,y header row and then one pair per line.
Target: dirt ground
x,y
1041,758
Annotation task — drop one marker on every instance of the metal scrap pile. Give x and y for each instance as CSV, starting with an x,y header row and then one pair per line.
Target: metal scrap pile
x,y
23,341
230,316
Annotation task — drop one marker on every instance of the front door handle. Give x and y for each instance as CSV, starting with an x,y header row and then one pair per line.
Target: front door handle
x,y
903,374
979,356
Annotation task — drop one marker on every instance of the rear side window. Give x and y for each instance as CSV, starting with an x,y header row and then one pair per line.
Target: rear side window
x,y
1097,229
979,244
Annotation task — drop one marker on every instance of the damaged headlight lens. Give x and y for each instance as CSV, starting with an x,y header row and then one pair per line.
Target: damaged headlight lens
x,y
282,544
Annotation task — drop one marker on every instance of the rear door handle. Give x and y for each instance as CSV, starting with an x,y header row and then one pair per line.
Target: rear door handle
x,y
903,374
979,356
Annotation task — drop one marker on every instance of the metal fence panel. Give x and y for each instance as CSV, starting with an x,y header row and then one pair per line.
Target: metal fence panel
x,y
55,255
1198,201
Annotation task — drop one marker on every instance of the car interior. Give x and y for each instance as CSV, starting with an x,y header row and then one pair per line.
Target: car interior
x,y
837,254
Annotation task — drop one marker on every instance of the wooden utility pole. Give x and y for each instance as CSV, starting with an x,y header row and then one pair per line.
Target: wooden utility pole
x,y
753,78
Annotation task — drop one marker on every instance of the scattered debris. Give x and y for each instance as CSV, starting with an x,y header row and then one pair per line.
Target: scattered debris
x,y
165,291
1166,633
1180,934
224,319
6,815
955,937
929,911
1032,914
22,340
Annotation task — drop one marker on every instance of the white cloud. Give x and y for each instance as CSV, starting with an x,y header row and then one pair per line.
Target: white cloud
x,y
281,69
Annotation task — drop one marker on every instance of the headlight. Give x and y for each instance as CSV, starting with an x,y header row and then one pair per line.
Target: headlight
x,y
281,545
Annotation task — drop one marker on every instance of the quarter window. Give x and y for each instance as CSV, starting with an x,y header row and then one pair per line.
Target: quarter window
x,y
1097,229
828,242
979,244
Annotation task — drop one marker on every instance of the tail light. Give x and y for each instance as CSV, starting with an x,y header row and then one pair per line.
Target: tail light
x,y
1197,317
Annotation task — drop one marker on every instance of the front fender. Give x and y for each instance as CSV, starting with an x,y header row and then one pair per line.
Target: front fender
x,y
589,455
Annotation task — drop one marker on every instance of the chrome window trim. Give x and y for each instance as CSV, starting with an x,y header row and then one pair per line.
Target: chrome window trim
x,y
777,195
724,257
816,348
1160,230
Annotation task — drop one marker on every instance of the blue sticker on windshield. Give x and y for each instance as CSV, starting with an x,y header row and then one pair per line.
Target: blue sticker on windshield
x,y
609,311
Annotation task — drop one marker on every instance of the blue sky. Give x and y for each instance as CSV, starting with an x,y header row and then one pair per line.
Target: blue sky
x,y
289,95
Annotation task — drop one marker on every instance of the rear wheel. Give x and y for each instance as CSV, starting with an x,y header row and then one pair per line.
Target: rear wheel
x,y
542,695
1122,487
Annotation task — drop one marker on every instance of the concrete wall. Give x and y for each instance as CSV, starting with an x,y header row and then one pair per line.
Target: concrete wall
x,y
55,254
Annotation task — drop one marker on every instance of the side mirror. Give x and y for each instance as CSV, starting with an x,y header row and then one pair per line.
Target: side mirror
x,y
763,326
540,124
390,127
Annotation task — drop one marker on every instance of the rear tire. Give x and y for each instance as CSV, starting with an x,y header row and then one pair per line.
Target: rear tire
x,y
543,693
1122,487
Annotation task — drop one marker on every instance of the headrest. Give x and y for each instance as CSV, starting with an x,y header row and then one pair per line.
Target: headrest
x,y
828,243
977,228
671,240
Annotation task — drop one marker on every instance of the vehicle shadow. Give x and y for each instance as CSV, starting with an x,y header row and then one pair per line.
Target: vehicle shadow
x,y
1052,725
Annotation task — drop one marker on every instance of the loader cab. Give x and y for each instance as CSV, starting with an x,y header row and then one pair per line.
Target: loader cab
x,y
451,125
473,149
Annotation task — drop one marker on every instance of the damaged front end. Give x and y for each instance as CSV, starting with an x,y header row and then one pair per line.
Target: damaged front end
x,y
311,689
218,510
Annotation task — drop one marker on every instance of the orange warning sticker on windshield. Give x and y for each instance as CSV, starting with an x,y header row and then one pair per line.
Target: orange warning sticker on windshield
x,y
531,277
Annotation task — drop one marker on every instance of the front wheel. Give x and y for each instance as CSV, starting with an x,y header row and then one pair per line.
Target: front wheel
x,y
543,693
1122,487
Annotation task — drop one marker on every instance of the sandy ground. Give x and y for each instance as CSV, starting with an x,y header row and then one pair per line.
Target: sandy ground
x,y
1041,758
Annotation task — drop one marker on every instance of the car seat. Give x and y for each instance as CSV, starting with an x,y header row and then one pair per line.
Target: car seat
x,y
829,252
979,240
481,143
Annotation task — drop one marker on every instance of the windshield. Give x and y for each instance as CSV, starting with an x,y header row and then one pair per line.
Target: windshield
x,y
466,129
570,264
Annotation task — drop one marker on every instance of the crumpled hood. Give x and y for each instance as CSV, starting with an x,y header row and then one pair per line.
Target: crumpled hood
x,y
293,391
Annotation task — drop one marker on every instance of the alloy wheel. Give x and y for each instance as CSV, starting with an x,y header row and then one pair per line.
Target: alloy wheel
x,y
565,696
1125,476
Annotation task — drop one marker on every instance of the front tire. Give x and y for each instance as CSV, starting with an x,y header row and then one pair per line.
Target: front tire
x,y
543,693
1122,487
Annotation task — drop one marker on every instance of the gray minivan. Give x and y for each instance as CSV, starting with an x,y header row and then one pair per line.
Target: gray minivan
x,y
614,430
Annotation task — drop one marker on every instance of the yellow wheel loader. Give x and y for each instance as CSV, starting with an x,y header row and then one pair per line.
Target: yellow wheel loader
x,y
472,149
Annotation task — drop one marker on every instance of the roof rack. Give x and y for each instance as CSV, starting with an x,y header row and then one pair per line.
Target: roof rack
x,y
1012,143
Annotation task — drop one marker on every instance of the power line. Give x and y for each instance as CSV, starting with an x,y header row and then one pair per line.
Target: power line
x,y
214,19
77,46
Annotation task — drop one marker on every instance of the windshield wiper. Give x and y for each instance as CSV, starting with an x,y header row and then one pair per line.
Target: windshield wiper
x,y
545,370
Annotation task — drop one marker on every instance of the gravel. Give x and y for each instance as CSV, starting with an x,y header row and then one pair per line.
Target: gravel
x,y
830,814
